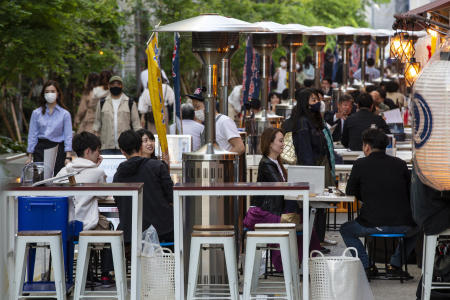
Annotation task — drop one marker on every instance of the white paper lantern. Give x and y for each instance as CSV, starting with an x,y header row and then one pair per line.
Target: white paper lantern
x,y
431,121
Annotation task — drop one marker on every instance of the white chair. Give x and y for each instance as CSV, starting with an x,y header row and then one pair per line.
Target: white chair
x,y
429,251
115,238
54,239
293,246
200,236
255,238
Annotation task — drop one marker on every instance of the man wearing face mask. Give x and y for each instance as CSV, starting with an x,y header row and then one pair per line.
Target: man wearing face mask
x,y
115,114
281,75
227,134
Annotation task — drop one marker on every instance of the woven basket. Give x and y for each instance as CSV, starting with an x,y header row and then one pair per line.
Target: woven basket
x,y
158,276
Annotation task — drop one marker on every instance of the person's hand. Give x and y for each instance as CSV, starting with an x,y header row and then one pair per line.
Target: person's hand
x,y
165,157
66,161
99,161
340,115
29,159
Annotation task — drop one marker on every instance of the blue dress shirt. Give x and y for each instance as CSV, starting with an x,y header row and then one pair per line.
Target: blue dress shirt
x,y
55,127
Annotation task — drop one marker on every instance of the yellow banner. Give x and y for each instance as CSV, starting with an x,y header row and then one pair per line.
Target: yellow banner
x,y
155,90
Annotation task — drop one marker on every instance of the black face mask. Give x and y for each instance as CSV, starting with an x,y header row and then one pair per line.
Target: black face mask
x,y
315,107
115,90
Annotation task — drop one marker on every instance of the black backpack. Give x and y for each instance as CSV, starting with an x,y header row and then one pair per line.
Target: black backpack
x,y
130,106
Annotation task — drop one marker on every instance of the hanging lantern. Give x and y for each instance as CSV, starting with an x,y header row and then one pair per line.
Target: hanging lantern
x,y
406,51
412,70
431,111
395,45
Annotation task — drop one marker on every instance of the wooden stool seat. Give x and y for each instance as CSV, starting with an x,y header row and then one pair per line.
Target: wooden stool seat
x,y
213,234
101,233
267,234
275,226
39,233
213,227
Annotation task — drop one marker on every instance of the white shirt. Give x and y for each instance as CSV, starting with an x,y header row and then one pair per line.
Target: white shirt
x,y
144,78
193,129
281,83
145,103
279,168
235,98
372,72
115,103
226,129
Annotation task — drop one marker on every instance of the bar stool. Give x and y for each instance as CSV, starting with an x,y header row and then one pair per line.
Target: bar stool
x,y
429,251
252,251
115,238
291,228
225,238
55,240
403,258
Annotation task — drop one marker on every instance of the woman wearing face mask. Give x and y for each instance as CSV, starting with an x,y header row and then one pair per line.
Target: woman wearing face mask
x,y
50,126
148,143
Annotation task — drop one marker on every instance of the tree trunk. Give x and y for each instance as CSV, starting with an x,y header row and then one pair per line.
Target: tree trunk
x,y
16,125
6,122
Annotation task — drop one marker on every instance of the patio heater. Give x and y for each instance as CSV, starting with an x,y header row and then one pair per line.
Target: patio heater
x,y
345,36
382,39
291,40
264,43
212,37
225,74
317,38
363,38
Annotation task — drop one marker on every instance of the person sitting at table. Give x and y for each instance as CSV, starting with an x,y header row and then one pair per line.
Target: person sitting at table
x,y
382,183
85,208
189,126
269,209
337,118
381,102
158,189
363,119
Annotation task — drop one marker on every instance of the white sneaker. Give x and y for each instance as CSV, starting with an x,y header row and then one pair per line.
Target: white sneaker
x,y
330,242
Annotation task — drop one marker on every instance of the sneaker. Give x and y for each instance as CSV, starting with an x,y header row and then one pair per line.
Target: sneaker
x,y
329,242
107,281
393,271
371,271
325,250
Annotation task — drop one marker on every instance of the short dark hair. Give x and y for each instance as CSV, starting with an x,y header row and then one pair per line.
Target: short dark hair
x,y
285,94
282,57
255,104
146,132
381,92
345,98
83,141
375,138
370,88
308,83
364,100
370,62
130,142
327,79
391,86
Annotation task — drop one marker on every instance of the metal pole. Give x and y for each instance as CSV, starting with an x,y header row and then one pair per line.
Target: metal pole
x,y
363,64
210,75
224,82
345,66
318,61
292,55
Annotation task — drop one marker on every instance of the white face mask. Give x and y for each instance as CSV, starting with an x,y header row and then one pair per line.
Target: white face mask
x,y
50,97
297,66
200,115
283,64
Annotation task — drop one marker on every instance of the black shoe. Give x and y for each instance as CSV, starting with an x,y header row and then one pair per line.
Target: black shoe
x,y
393,271
325,250
371,271
107,281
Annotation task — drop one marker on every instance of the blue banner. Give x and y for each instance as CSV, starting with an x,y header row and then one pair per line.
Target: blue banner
x,y
176,81
251,78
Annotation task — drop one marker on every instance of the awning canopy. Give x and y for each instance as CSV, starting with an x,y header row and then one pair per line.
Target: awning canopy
x,y
435,13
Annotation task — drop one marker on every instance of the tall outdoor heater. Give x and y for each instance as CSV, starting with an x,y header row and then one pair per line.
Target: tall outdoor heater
x,y
291,40
264,43
225,73
317,39
382,39
214,37
363,38
345,36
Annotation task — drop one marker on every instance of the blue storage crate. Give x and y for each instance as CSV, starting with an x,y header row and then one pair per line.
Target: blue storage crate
x,y
47,213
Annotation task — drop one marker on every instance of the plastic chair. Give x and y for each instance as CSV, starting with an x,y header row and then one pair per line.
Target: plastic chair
x,y
403,258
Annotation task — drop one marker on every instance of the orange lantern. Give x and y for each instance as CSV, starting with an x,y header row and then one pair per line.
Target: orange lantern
x,y
412,70
395,45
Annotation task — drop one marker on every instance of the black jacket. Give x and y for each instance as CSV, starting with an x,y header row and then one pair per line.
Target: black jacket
x,y
268,172
382,183
329,118
157,196
356,124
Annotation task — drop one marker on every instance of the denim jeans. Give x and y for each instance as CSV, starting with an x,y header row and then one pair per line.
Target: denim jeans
x,y
352,231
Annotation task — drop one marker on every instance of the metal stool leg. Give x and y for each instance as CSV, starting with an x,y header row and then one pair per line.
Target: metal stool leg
x,y
429,249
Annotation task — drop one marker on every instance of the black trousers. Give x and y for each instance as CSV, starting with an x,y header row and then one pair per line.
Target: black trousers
x,y
38,155
321,223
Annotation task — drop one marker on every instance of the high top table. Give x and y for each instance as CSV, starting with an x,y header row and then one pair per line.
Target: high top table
x,y
299,190
134,190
